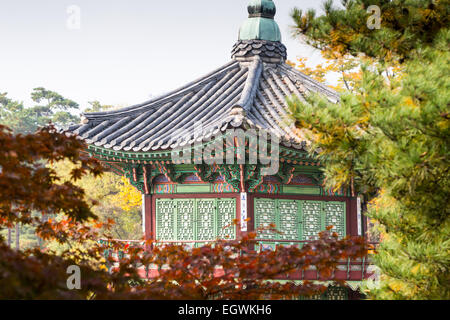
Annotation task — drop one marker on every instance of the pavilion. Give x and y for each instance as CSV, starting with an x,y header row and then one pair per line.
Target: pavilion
x,y
189,200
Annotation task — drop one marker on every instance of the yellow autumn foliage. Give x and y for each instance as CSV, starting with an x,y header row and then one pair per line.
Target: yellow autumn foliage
x,y
112,197
129,197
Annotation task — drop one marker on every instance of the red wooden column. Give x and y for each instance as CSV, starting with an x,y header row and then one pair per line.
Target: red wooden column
x,y
147,217
239,232
352,217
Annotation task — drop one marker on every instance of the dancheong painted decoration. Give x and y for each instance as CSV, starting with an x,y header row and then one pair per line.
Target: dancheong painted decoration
x,y
192,201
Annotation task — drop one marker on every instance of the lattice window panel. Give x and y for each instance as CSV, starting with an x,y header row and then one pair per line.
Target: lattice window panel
x,y
185,220
288,220
165,220
265,214
312,219
299,220
336,293
226,213
313,297
205,220
332,293
195,219
335,216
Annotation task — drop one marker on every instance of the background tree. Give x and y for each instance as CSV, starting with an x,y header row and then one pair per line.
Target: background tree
x,y
15,115
112,194
113,198
388,139
96,106
117,199
52,107
23,119
347,69
406,25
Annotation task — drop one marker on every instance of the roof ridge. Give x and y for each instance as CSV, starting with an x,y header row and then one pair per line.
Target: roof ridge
x,y
251,85
162,99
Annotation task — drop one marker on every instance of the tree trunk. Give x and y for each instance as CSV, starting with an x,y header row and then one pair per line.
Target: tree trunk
x,y
40,240
17,236
9,237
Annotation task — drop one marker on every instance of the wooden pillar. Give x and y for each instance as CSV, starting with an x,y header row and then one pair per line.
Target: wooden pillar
x,y
352,217
365,220
147,217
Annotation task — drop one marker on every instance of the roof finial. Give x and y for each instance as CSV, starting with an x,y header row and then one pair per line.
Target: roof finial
x,y
262,8
260,24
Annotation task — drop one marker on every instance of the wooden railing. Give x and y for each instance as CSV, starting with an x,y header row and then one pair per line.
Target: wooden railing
x,y
348,270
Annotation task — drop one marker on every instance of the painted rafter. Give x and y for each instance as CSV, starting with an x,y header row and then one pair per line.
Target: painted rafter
x,y
288,155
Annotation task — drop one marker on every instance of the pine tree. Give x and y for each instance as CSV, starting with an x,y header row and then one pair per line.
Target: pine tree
x,y
388,140
51,107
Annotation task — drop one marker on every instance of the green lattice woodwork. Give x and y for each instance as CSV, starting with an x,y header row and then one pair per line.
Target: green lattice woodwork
x,y
332,293
185,217
195,219
265,214
165,220
297,220
336,293
218,188
226,213
334,211
206,228
312,219
289,220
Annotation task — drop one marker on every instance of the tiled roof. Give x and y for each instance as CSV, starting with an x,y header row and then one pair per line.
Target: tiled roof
x,y
269,51
248,92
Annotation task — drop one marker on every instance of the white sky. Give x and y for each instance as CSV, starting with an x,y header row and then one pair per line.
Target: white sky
x,y
126,51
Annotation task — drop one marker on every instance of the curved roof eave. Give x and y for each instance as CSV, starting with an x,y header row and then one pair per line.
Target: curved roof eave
x,y
240,93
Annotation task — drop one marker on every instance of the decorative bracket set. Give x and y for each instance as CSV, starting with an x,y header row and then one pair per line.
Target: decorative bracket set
x,y
244,178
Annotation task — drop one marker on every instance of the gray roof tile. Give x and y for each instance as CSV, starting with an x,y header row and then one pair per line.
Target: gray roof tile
x,y
251,84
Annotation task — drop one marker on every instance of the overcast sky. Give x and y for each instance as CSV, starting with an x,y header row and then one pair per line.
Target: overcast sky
x,y
125,51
